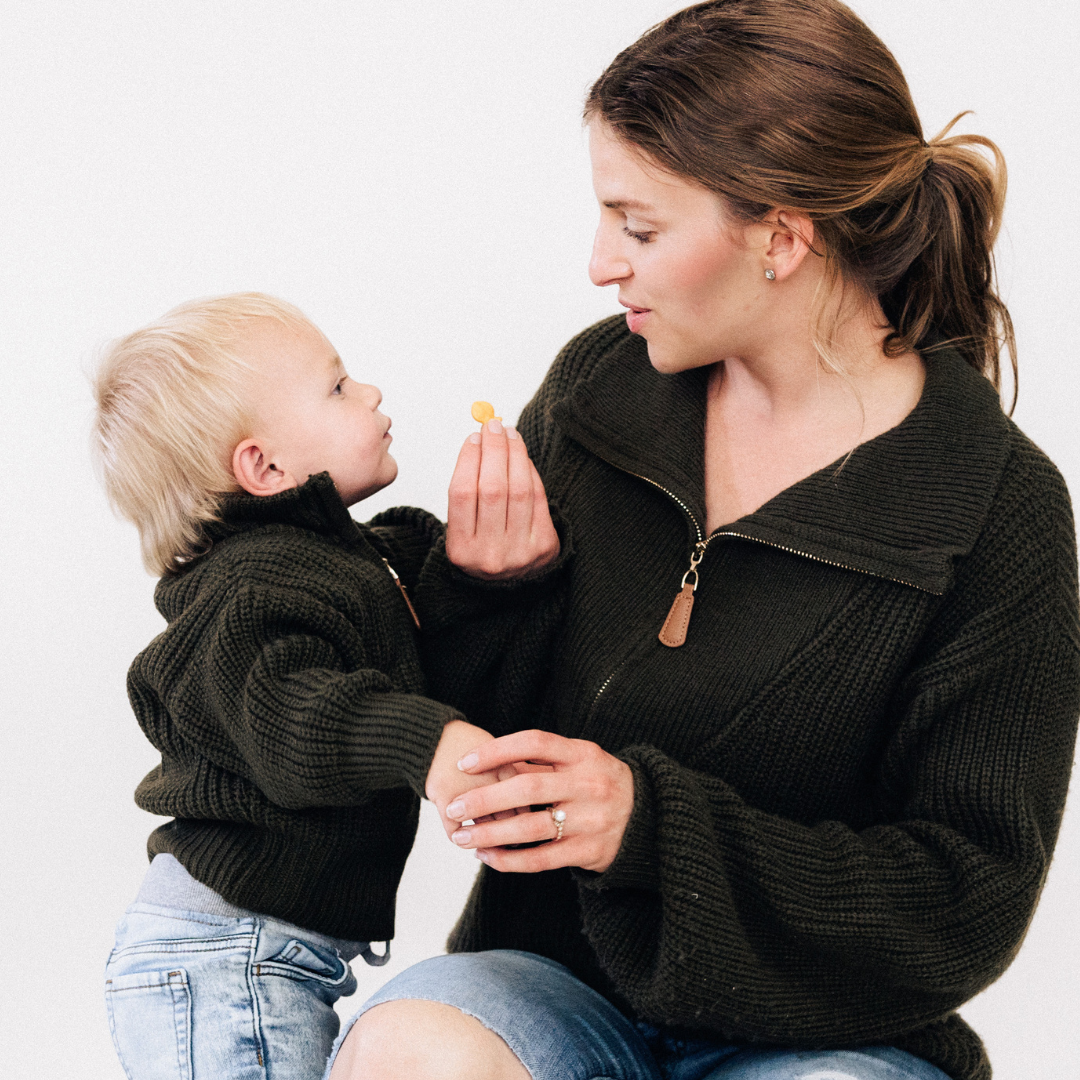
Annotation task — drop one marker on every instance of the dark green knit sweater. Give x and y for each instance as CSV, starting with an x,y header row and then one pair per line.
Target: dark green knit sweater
x,y
286,699
849,779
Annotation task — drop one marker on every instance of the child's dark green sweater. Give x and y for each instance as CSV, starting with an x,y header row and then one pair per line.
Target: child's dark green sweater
x,y
849,779
286,699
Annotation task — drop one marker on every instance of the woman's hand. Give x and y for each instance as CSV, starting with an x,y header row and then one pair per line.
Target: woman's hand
x,y
498,524
593,789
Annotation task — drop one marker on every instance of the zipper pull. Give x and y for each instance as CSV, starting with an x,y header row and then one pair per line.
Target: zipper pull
x,y
405,595
673,632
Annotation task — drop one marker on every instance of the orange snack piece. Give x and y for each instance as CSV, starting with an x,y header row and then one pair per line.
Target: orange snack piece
x,y
483,411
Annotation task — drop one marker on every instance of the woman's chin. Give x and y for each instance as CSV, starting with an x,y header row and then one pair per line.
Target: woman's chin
x,y
670,361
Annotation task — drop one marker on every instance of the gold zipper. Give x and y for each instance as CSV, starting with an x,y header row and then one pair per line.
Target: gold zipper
x,y
827,562
401,585
679,615
675,627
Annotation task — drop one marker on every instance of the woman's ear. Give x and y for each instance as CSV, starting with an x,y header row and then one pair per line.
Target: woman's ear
x,y
791,239
255,473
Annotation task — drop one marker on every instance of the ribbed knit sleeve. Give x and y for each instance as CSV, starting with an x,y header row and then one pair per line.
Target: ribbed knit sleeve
x,y
290,692
719,916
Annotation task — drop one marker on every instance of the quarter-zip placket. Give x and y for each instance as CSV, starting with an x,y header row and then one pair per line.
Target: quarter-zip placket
x,y
679,615
676,625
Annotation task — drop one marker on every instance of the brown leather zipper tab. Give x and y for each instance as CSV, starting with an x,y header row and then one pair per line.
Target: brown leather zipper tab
x,y
673,632
401,585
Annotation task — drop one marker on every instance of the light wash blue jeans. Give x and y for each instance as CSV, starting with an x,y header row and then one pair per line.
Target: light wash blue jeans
x,y
194,996
560,1029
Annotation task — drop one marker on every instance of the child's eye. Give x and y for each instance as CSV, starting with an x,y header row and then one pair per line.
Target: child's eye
x,y
338,387
640,237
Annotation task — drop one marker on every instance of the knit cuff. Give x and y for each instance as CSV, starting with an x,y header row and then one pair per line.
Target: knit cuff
x,y
445,594
411,727
637,865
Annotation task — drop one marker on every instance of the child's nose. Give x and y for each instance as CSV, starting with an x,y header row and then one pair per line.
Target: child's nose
x,y
372,395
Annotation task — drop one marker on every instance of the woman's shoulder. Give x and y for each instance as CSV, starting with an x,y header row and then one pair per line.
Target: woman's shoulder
x,y
1031,483
1027,545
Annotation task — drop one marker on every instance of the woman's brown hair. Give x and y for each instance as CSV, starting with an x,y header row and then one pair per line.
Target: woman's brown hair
x,y
796,104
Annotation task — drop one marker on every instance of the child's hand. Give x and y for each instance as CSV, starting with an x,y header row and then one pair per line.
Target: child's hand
x,y
445,781
498,524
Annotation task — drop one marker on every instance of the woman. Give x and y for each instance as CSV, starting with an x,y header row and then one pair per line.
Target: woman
x,y
804,694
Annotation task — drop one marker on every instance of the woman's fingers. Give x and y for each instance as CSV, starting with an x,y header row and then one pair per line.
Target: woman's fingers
x,y
519,493
543,529
493,484
525,789
533,746
498,523
522,828
592,790
461,502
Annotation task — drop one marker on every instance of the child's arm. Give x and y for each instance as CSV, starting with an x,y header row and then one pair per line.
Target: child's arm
x,y
278,685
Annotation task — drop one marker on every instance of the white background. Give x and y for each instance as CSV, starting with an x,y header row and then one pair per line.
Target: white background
x,y
412,175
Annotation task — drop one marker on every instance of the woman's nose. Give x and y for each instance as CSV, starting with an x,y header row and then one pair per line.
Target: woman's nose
x,y
607,266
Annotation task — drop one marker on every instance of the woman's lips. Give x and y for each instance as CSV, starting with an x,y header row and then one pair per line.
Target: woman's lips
x,y
635,318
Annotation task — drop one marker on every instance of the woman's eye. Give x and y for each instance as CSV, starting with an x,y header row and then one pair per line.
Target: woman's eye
x,y
640,237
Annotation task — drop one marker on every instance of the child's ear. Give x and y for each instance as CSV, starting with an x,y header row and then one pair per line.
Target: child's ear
x,y
255,473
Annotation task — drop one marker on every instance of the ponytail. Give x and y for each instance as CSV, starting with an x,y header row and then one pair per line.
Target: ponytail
x,y
948,290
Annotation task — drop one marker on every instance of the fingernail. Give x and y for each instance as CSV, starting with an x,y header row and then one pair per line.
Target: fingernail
x,y
468,761
474,437
511,433
495,427
461,837
482,856
456,809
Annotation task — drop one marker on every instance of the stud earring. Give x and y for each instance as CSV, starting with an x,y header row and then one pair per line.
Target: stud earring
x,y
770,275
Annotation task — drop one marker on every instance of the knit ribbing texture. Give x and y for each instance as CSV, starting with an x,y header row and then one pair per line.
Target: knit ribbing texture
x,y
287,700
850,778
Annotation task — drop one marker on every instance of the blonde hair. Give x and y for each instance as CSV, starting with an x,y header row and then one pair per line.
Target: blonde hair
x,y
171,407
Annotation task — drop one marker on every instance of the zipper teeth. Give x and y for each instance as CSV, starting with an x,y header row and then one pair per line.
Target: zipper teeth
x,y
607,681
704,541
604,686
686,509
818,558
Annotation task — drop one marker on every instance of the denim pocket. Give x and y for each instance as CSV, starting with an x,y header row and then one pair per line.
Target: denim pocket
x,y
301,960
150,1020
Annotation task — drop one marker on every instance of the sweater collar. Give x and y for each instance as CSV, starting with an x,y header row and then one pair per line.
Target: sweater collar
x,y
903,506
315,505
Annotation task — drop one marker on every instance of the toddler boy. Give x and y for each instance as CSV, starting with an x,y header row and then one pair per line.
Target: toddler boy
x,y
285,695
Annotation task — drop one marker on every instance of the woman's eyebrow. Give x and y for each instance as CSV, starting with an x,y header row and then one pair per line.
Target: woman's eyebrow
x,y
629,204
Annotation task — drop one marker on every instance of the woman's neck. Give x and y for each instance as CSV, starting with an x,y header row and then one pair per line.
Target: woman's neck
x,y
778,413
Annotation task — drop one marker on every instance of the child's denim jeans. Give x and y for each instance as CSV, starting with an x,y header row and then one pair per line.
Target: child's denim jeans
x,y
194,996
